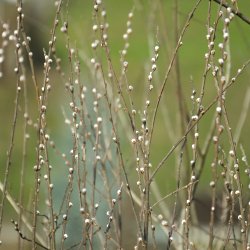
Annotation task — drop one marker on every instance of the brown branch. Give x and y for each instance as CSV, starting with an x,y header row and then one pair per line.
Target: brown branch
x,y
165,158
235,12
22,236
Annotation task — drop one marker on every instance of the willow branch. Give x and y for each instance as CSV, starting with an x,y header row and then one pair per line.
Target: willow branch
x,y
235,12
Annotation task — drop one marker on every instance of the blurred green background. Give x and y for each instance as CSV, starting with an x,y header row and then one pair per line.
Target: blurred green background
x,y
153,22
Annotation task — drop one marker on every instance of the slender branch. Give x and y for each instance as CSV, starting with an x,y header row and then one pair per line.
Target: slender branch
x,y
235,12
174,192
194,124
24,219
22,236
190,16
13,132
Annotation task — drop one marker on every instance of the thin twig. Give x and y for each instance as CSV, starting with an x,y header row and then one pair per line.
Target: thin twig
x,y
237,13
174,192
194,123
190,16
23,217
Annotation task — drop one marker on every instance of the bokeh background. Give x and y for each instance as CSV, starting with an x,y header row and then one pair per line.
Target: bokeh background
x,y
153,22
